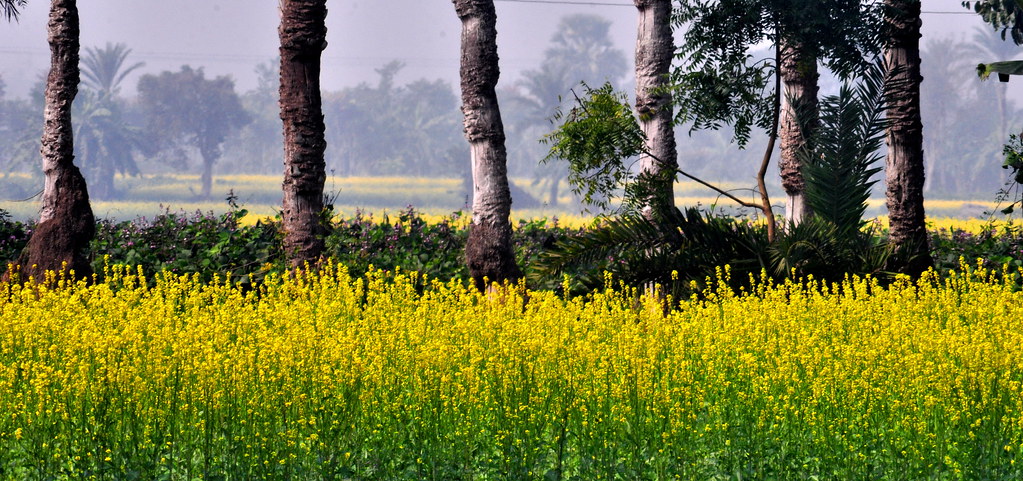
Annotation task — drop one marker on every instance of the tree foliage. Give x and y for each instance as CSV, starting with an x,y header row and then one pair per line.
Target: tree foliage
x,y
596,139
1003,15
686,245
719,82
389,129
103,69
187,107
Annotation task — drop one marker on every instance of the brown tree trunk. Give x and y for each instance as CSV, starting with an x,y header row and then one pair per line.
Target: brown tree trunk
x,y
904,167
66,224
488,251
303,34
655,48
799,119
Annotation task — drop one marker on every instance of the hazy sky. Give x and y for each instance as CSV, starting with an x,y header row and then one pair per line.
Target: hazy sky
x,y
232,36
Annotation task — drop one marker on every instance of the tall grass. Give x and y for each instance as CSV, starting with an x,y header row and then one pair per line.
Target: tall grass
x,y
321,376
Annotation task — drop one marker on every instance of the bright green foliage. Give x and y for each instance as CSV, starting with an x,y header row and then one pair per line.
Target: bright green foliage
x,y
597,138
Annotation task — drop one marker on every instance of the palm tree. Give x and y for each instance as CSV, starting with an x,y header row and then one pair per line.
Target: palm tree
x,y
945,99
303,34
655,49
488,250
797,65
9,8
535,99
66,224
904,167
106,142
581,52
103,69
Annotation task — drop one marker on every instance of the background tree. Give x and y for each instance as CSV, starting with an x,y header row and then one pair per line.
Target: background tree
x,y
103,69
488,250
21,131
107,142
904,166
256,147
185,107
303,35
66,223
391,129
580,53
961,116
988,44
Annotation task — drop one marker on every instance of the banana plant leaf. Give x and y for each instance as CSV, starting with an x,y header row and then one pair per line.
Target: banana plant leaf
x,y
1003,69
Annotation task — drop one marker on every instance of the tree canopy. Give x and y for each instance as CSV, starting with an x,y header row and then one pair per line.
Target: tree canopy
x,y
719,82
185,106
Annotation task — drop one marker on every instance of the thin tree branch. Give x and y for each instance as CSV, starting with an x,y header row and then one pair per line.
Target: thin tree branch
x,y
707,184
762,173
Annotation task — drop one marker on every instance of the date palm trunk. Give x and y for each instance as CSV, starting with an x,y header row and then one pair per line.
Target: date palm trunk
x,y
655,48
303,34
799,119
904,166
488,251
66,223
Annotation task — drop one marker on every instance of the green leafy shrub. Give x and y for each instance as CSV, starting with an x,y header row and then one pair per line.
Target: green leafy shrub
x,y
13,237
182,243
407,242
996,246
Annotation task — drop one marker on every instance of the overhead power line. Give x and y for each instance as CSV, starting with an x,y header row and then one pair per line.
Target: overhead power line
x,y
563,2
611,4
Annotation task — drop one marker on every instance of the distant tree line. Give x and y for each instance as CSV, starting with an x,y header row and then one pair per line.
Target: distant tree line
x,y
413,128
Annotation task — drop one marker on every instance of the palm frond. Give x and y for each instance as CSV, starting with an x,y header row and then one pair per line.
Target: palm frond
x,y
680,247
9,8
840,164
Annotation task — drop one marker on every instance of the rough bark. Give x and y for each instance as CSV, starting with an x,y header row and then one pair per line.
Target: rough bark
x,y
904,166
488,250
655,48
799,118
303,34
66,223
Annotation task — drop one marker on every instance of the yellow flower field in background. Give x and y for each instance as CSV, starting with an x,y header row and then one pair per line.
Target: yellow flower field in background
x,y
321,376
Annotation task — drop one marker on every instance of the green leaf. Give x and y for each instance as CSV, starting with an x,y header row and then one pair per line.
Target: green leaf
x,y
1011,67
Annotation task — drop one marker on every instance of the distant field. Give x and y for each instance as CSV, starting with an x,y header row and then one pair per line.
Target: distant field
x,y
260,194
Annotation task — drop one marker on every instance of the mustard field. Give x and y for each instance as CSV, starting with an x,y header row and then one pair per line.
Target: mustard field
x,y
321,376
151,195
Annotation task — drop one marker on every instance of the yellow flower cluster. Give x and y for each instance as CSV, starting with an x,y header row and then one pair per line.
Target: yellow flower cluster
x,y
321,376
